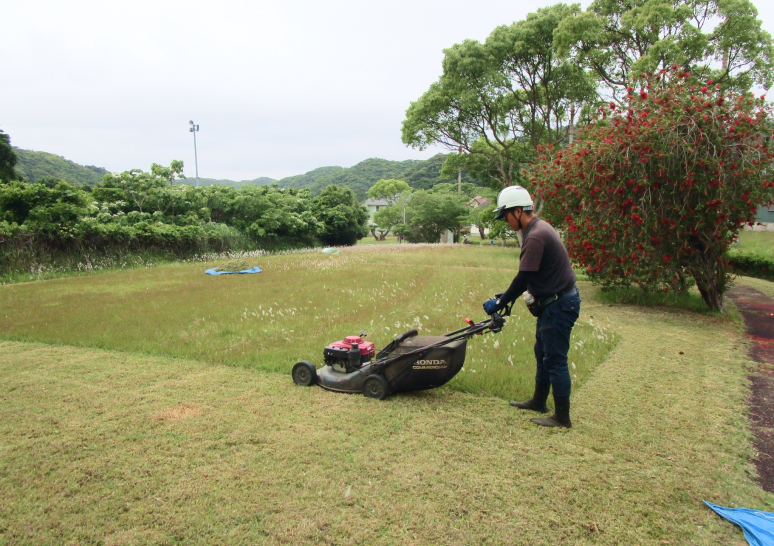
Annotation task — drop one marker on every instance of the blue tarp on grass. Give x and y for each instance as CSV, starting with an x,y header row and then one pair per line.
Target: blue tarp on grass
x,y
214,271
758,526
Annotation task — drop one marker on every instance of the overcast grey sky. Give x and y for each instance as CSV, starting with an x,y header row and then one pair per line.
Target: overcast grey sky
x,y
278,88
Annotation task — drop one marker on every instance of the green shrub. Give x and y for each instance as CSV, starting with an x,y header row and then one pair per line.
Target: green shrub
x,y
752,264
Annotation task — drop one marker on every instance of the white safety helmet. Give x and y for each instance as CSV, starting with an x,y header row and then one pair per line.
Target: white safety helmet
x,y
512,196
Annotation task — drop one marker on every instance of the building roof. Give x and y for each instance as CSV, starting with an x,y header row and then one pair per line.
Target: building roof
x,y
377,202
479,201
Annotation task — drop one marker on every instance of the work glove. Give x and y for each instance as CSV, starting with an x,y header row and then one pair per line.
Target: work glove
x,y
491,306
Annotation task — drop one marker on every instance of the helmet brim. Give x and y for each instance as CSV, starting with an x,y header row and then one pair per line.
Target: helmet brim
x,y
500,214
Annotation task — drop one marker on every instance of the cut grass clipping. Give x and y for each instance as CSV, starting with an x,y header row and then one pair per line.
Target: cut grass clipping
x,y
239,265
297,306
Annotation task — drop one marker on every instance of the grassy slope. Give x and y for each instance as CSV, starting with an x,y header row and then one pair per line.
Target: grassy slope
x,y
94,450
299,304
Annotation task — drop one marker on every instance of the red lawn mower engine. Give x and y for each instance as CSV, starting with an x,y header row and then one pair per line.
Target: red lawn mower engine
x,y
350,354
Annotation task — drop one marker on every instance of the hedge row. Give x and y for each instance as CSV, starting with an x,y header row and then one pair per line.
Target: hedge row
x,y
755,265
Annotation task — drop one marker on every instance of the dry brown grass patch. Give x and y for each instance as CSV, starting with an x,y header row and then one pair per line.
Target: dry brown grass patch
x,y
178,413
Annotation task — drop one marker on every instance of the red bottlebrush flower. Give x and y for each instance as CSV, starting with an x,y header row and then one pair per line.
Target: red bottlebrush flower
x,y
709,82
643,95
644,160
704,89
630,89
667,258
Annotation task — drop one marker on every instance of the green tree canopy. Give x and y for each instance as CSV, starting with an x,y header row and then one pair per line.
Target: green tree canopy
x,y
387,218
7,159
430,214
48,209
502,98
388,189
343,219
718,39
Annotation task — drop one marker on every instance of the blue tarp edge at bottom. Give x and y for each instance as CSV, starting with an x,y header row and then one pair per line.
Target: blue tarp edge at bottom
x,y
214,271
757,525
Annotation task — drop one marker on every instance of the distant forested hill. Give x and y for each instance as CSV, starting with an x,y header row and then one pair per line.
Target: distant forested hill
x,y
34,166
225,182
419,174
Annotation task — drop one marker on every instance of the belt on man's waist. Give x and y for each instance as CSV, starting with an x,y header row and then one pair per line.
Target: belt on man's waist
x,y
543,302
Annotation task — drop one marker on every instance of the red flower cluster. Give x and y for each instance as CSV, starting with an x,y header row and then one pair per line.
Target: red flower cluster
x,y
653,192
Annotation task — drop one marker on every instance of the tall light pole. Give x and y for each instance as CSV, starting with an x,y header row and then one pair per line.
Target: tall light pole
x,y
194,129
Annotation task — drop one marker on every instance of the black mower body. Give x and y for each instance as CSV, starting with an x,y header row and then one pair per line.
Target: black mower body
x,y
412,372
409,363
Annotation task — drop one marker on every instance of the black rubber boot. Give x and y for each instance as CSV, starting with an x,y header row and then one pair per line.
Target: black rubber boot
x,y
559,419
538,401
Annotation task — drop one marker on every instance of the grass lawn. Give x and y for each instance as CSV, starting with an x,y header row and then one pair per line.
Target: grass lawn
x,y
299,304
132,445
756,242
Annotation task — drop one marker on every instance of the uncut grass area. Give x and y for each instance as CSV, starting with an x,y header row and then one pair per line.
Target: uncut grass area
x,y
114,447
299,304
756,242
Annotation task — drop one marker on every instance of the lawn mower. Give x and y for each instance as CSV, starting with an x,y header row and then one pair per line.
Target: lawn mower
x,y
409,363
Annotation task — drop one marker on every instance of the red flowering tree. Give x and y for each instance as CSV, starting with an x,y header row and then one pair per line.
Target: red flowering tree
x,y
653,192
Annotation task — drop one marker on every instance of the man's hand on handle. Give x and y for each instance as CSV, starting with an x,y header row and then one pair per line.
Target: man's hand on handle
x,y
491,306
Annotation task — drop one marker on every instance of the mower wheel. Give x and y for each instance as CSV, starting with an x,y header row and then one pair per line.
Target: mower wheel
x,y
376,386
304,374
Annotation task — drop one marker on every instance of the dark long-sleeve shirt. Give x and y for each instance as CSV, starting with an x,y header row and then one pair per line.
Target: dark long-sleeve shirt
x,y
544,266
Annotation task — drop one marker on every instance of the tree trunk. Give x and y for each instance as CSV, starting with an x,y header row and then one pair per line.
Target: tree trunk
x,y
711,280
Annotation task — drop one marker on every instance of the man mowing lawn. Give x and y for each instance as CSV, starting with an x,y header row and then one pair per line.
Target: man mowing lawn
x,y
545,273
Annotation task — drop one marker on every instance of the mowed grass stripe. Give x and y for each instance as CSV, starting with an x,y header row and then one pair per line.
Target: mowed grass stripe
x,y
117,448
291,311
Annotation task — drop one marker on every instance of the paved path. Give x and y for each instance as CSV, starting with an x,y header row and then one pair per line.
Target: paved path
x,y
758,312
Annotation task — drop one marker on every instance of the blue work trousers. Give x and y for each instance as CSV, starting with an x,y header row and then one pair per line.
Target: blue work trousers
x,y
552,342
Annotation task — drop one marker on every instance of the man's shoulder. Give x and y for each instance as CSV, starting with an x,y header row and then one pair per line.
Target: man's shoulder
x,y
539,230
